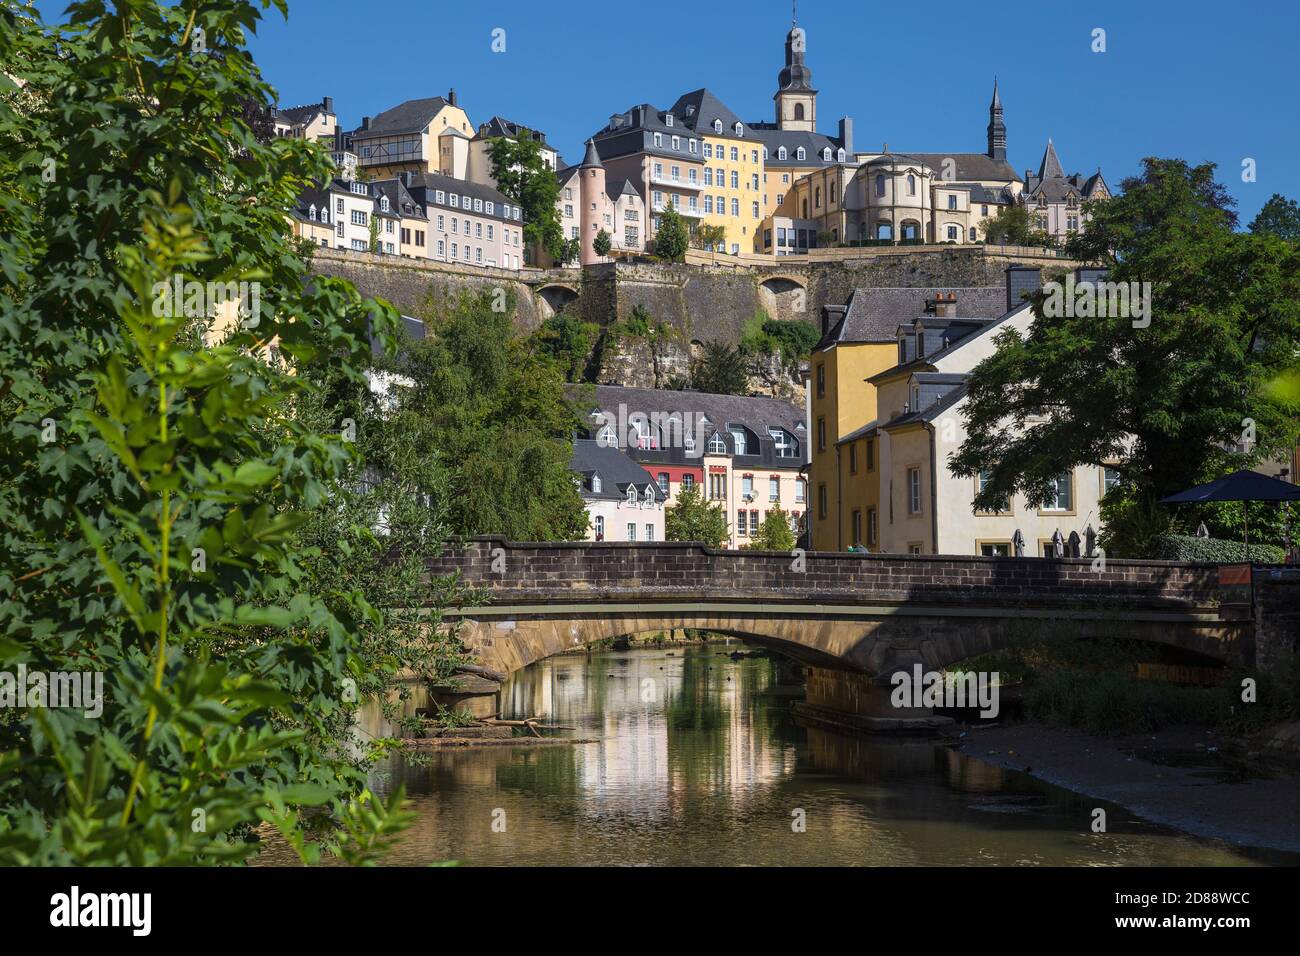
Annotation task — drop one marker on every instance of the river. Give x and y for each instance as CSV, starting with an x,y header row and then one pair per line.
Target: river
x,y
698,761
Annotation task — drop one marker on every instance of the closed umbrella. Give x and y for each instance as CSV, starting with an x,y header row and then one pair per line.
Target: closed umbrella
x,y
1240,486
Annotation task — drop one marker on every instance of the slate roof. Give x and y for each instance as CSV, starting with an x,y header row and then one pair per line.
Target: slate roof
x,y
424,187
971,166
400,200
813,143
698,109
300,114
616,470
866,431
409,117
1051,183
499,126
874,314
949,399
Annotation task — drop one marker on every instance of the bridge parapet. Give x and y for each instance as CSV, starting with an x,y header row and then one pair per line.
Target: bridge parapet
x,y
586,572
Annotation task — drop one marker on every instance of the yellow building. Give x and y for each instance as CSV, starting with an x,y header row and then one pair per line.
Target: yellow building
x,y
861,340
430,135
731,181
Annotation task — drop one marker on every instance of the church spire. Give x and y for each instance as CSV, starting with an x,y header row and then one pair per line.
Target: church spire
x,y
796,100
997,128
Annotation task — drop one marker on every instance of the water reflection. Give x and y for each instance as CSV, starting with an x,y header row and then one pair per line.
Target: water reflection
x,y
698,762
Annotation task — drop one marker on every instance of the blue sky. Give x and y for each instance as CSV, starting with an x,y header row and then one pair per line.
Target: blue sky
x,y
1195,79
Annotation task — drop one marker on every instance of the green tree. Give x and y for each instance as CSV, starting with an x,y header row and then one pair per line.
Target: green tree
x,y
490,412
1279,217
672,237
773,534
1013,226
720,369
708,237
602,243
153,486
692,518
1169,399
523,177
569,341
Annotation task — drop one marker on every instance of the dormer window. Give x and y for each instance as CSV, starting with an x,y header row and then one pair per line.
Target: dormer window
x,y
631,494
740,129
668,119
717,126
606,437
717,444
780,153
649,496
383,203
595,483
826,154
916,397
839,155
311,213
801,153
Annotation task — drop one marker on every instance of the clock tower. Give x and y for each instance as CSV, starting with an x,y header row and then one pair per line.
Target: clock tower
x,y
796,100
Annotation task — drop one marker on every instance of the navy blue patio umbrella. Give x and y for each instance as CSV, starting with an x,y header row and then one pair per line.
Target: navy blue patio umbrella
x,y
1240,486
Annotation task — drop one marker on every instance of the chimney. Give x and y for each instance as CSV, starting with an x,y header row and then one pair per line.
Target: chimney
x,y
846,136
451,96
943,305
1021,280
365,122
832,314
328,104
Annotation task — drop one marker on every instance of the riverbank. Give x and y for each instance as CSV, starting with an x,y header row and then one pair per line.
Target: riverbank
x,y
1183,777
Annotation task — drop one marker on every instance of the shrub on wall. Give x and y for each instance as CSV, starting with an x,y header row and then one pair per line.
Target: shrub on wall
x,y
1184,547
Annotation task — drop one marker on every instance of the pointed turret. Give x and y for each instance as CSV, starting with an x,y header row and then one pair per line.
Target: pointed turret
x,y
1050,167
592,158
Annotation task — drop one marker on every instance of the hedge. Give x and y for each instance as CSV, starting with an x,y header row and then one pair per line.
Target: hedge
x,y
1186,547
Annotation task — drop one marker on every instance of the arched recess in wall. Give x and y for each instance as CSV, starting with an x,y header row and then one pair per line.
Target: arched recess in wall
x,y
783,297
553,298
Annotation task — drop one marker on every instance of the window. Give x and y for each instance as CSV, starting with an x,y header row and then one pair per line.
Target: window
x,y
826,154
741,524
821,380
973,234
359,217
857,526
981,482
677,141
659,140
600,527
821,501
649,496
717,126
800,153
690,143
747,487
853,458
914,491
774,488
785,444
1109,479
688,480
717,445
871,454
800,490
952,233
1060,497
952,202
595,483
873,527
631,494
662,479
631,531
649,532
717,486
995,549
780,154
880,184
911,185
821,434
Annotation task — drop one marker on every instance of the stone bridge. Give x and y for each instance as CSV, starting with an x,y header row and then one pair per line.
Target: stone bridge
x,y
873,614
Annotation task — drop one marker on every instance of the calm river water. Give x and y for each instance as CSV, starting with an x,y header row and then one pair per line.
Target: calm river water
x,y
699,762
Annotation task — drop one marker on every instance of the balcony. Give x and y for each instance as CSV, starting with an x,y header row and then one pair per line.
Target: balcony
x,y
663,179
681,210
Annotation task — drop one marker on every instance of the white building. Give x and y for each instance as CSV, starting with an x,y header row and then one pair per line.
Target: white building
x,y
624,503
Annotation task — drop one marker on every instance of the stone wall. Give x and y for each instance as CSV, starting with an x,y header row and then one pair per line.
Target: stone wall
x,y
675,570
1277,621
701,301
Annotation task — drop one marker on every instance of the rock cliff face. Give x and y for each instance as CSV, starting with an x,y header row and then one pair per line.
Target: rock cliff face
x,y
699,302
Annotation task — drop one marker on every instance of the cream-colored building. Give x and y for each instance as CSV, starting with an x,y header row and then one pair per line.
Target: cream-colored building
x,y
924,508
591,201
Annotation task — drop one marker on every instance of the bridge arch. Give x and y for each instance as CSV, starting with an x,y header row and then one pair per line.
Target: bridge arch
x,y
554,297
